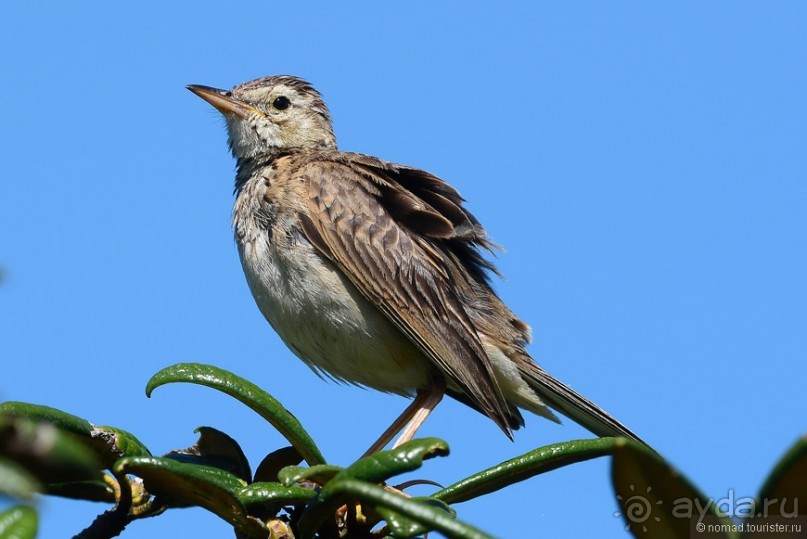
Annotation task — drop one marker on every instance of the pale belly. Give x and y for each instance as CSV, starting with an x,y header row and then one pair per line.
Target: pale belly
x,y
327,323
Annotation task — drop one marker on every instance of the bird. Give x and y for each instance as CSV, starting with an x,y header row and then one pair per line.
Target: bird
x,y
374,273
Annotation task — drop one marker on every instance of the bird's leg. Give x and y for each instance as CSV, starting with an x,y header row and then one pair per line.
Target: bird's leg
x,y
412,418
431,398
396,426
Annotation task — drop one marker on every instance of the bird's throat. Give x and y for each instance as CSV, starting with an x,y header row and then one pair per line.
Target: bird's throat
x,y
246,167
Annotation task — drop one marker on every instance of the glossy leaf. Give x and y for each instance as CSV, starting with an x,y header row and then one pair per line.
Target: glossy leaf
x,y
16,481
269,468
49,454
783,494
111,444
656,501
403,526
181,485
380,466
535,462
319,474
18,522
46,414
428,516
217,449
94,491
273,496
108,443
248,393
375,468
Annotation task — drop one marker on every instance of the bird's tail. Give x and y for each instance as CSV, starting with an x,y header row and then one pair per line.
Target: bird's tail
x,y
573,405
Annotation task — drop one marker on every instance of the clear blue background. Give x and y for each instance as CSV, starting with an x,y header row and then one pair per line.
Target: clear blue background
x,y
643,164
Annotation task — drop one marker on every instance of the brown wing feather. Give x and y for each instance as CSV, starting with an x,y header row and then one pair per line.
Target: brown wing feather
x,y
351,219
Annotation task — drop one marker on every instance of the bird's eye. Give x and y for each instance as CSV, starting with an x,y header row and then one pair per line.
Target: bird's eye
x,y
281,103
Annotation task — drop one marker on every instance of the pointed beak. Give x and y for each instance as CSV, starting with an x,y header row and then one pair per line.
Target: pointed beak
x,y
224,101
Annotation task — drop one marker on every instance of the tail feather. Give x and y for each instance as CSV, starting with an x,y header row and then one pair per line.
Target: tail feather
x,y
575,406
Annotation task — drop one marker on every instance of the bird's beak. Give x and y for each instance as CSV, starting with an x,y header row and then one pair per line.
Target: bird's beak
x,y
223,101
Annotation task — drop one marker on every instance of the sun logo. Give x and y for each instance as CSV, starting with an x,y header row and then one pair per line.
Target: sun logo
x,y
638,508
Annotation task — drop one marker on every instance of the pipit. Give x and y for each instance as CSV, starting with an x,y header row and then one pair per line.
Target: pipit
x,y
372,272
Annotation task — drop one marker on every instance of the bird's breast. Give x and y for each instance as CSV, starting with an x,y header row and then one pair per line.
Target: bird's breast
x,y
320,314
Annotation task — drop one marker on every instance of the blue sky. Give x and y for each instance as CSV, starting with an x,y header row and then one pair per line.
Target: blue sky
x,y
643,164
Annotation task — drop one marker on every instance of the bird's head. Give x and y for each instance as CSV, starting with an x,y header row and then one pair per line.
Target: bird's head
x,y
271,115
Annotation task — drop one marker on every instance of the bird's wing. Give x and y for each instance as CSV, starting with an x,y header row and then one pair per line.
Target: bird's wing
x,y
382,237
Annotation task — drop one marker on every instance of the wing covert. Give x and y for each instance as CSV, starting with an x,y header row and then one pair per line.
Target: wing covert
x,y
351,219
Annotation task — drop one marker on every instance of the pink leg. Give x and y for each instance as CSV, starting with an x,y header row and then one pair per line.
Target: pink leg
x,y
431,400
413,417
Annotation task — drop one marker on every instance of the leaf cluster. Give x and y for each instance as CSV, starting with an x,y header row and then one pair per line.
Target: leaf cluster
x,y
295,493
281,499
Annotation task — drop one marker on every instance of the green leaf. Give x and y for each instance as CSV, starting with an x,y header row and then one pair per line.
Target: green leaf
x,y
428,516
248,393
402,526
787,479
375,468
46,414
269,468
49,454
320,474
784,491
535,462
381,466
270,497
18,522
15,481
214,448
656,501
94,491
111,444
180,485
